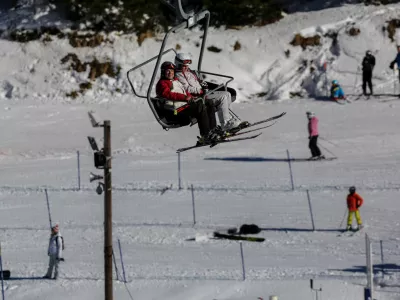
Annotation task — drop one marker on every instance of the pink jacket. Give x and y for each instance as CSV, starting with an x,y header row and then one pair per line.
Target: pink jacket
x,y
313,126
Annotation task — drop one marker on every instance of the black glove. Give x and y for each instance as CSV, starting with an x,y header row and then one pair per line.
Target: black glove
x,y
60,259
204,85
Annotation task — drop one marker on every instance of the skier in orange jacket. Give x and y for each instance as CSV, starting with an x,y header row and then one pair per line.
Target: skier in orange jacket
x,y
354,202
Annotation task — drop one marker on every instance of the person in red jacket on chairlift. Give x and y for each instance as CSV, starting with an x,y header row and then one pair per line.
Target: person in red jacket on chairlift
x,y
170,88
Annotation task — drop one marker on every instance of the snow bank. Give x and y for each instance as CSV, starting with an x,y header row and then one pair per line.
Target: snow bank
x,y
266,67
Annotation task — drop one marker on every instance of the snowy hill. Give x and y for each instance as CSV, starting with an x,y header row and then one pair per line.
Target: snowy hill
x,y
273,75
244,182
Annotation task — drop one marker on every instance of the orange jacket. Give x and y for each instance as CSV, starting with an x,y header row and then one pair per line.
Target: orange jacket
x,y
354,201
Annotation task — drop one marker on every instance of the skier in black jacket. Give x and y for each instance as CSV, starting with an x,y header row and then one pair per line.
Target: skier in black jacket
x,y
368,64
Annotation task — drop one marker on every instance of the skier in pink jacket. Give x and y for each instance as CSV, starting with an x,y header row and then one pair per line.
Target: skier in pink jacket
x,y
313,136
193,85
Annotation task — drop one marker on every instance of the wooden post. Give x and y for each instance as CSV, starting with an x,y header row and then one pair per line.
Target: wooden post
x,y
108,248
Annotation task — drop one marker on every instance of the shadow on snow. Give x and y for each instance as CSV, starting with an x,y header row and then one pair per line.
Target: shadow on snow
x,y
378,268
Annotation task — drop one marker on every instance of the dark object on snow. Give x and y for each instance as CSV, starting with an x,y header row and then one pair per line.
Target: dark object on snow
x,y
232,230
6,274
219,235
249,229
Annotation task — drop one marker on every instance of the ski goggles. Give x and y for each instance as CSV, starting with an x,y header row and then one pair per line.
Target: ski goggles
x,y
169,67
187,61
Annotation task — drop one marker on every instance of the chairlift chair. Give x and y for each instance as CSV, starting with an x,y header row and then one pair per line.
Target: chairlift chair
x,y
172,114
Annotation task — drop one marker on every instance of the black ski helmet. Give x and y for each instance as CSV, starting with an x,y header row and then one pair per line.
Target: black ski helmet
x,y
310,114
368,52
352,189
166,65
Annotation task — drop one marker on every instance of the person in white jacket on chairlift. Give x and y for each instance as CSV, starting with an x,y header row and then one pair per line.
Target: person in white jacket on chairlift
x,y
192,83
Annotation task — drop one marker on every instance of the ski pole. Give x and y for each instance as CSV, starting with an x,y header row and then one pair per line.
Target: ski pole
x,y
290,169
122,261
395,68
115,265
355,83
48,206
327,150
344,216
394,82
324,139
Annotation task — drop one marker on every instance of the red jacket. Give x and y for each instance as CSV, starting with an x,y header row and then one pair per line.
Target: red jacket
x,y
164,90
354,201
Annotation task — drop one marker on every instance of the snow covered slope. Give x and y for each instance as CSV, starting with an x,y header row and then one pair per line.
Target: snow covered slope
x,y
245,182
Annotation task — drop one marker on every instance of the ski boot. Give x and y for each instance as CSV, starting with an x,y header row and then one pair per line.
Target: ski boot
x,y
216,134
202,141
359,227
349,228
234,125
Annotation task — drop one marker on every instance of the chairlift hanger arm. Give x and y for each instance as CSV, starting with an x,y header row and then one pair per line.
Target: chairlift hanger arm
x,y
191,19
205,14
184,11
141,65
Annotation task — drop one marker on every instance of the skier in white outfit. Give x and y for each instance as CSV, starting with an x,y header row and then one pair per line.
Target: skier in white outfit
x,y
54,252
193,85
